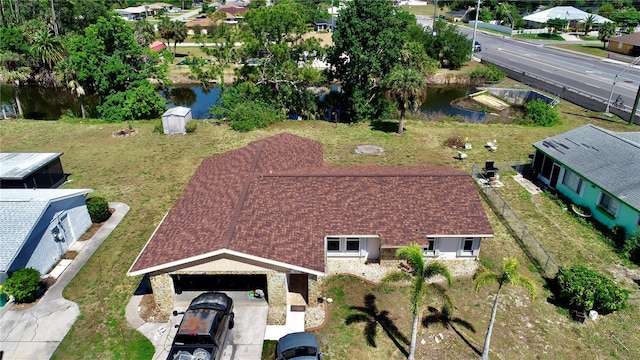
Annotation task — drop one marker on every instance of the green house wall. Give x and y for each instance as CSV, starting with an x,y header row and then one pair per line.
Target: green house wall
x,y
589,196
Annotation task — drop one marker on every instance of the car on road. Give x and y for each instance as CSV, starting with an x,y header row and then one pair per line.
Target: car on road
x,y
202,333
477,47
298,346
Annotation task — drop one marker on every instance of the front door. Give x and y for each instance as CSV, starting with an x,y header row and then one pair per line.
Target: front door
x,y
555,172
299,283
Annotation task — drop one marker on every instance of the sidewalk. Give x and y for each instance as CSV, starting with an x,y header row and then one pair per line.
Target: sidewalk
x,y
35,333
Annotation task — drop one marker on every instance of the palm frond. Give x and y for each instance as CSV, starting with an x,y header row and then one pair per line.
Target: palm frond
x,y
435,269
396,277
485,277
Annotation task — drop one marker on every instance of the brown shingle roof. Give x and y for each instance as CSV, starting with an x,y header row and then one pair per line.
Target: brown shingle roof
x,y
632,39
273,199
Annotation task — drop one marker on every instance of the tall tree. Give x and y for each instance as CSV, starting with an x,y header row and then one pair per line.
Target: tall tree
x,y
366,46
46,48
179,33
589,21
418,276
406,90
605,32
13,69
508,275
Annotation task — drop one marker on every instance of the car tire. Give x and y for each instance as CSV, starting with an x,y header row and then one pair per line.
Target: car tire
x,y
232,321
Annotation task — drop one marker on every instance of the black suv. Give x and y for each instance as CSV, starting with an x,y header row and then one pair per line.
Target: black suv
x,y
203,330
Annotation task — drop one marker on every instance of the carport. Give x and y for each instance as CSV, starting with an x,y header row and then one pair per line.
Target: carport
x,y
220,282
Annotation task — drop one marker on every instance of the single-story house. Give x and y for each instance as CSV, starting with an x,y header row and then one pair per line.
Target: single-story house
x,y
133,12
569,13
457,15
270,215
237,11
31,170
325,25
203,23
156,8
628,44
595,168
39,226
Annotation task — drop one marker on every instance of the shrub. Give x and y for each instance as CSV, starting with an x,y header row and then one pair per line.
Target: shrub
x,y
585,289
191,126
98,209
251,115
631,249
618,234
158,128
23,285
539,113
489,73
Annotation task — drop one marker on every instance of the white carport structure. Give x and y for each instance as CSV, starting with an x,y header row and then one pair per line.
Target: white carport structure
x,y
569,13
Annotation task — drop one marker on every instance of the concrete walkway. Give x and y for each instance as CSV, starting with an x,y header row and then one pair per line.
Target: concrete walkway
x,y
35,333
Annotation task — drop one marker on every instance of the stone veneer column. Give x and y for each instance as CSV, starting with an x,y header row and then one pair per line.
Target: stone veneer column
x,y
162,286
314,289
277,285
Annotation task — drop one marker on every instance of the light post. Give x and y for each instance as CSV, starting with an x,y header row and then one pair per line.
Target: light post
x,y
624,71
510,17
475,29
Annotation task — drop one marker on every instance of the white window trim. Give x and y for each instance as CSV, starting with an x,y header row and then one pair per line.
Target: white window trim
x,y
435,251
581,182
343,252
475,247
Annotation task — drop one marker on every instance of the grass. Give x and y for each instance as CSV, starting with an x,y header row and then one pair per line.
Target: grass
x,y
148,172
544,36
590,49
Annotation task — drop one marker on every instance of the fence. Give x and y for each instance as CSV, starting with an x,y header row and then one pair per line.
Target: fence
x,y
575,96
527,239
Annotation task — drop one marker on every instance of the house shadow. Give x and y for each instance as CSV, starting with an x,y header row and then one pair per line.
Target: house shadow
x,y
443,316
374,318
385,126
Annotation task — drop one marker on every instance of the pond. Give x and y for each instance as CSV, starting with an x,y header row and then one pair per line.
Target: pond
x,y
45,103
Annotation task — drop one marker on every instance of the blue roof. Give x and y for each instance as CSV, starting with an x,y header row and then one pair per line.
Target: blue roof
x,y
610,160
20,211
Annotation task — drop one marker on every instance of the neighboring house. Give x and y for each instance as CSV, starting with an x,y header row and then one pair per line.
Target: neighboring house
x,y
203,23
38,226
133,13
626,44
157,8
325,25
569,13
457,15
157,45
31,171
595,168
270,215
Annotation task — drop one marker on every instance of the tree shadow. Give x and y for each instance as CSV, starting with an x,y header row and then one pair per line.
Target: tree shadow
x,y
384,126
372,317
444,317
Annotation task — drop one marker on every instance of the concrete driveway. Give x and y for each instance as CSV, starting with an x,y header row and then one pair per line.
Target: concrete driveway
x,y
244,341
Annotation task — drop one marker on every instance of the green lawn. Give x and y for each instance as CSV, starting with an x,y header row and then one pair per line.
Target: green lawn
x,y
590,49
148,172
544,36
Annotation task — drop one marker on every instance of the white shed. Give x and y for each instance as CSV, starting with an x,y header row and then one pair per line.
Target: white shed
x,y
174,120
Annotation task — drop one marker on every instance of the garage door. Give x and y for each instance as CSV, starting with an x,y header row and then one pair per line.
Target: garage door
x,y
220,283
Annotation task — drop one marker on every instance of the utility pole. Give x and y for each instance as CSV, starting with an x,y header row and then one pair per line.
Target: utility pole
x,y
635,107
475,29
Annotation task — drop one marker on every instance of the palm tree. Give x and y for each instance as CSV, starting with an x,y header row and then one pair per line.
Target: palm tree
x,y
418,276
46,48
605,32
508,276
406,89
588,23
180,33
78,90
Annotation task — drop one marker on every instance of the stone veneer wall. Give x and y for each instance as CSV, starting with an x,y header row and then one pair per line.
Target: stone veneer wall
x,y
314,289
163,291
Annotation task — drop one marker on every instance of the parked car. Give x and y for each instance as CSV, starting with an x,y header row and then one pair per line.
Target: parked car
x,y
202,333
477,47
298,346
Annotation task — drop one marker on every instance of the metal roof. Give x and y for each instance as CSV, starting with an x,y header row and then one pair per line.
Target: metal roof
x,y
17,166
20,211
610,160
178,110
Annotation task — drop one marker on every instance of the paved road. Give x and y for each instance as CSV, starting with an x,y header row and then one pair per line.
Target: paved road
x,y
582,73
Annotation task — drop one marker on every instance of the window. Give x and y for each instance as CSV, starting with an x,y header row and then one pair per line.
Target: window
x,y
333,244
430,249
467,244
609,204
572,181
353,244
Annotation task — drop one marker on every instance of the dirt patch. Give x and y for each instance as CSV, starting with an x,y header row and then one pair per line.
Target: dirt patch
x,y
124,133
149,312
90,232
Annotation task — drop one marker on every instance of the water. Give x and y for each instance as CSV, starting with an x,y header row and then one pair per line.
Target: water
x,y
50,103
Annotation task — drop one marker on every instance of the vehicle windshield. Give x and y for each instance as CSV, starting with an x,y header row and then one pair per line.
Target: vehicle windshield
x,y
299,351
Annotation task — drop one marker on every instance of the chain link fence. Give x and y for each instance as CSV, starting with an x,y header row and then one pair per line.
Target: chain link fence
x,y
527,239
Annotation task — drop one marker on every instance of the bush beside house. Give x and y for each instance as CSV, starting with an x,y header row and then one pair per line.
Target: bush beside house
x,y
23,285
98,209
